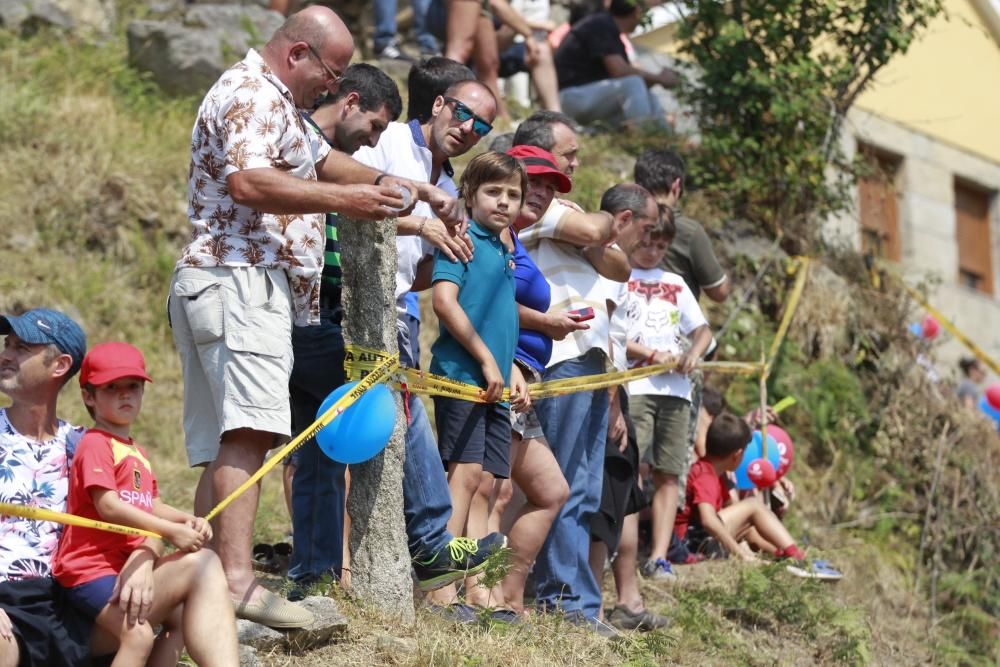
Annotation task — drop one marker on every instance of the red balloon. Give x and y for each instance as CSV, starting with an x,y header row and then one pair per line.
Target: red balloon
x,y
993,396
778,433
761,473
930,327
787,453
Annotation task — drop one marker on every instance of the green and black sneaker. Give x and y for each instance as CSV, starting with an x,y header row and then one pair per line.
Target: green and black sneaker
x,y
462,556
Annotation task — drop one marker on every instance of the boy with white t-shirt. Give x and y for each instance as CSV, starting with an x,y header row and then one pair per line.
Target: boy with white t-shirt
x,y
661,312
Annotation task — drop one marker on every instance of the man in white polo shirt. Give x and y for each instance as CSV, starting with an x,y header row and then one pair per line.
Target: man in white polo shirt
x,y
420,150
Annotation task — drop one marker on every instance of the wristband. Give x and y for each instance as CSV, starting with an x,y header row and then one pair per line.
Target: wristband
x,y
420,229
378,179
649,359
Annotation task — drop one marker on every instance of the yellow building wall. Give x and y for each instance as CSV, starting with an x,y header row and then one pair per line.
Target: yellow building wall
x,y
947,86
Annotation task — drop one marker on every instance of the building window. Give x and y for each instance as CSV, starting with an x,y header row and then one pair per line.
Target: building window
x,y
878,206
972,228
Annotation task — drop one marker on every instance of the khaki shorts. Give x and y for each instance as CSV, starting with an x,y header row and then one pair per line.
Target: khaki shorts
x,y
661,431
232,327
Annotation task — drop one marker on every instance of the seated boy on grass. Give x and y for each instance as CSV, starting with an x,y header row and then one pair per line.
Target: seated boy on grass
x,y
475,303
705,524
112,480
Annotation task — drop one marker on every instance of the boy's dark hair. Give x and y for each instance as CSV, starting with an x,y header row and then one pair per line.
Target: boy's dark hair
x,y
967,364
657,169
664,227
490,167
713,401
428,79
536,129
625,196
374,88
623,7
727,434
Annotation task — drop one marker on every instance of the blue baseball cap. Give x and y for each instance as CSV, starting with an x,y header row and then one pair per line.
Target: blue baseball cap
x,y
42,326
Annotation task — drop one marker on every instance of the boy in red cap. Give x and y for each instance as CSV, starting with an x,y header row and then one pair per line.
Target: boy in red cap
x,y
112,480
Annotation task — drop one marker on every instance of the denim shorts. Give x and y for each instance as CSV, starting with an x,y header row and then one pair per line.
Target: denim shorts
x,y
474,433
526,424
90,598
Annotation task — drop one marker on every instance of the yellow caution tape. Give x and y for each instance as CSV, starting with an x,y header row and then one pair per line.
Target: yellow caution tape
x,y
783,404
977,351
41,514
786,320
379,373
358,359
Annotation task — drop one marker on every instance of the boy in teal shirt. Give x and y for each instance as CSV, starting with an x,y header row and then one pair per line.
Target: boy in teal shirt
x,y
479,327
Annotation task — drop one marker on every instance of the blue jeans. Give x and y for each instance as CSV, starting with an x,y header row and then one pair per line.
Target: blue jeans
x,y
576,426
426,499
385,24
318,488
613,101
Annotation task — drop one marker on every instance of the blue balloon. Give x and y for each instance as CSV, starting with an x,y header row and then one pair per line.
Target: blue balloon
x,y
361,431
754,451
989,410
916,329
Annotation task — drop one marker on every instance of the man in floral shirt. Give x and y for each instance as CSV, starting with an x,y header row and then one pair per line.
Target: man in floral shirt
x,y
42,349
259,185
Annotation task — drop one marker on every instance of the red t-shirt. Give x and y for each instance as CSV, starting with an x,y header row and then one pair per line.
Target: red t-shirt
x,y
102,462
703,486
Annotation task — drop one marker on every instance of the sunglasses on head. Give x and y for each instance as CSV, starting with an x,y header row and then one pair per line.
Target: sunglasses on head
x,y
463,113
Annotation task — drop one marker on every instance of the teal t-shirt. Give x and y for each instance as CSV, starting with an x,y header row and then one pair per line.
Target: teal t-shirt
x,y
486,293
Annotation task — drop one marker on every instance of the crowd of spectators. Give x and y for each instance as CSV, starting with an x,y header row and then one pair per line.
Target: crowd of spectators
x,y
527,286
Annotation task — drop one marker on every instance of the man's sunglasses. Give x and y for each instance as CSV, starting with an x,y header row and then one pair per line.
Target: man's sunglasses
x,y
463,113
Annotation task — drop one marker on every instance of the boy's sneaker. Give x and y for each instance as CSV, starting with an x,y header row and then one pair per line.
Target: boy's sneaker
x,y
463,556
643,621
657,570
818,569
393,52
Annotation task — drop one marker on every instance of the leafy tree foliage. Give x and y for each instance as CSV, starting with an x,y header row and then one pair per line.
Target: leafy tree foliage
x,y
776,79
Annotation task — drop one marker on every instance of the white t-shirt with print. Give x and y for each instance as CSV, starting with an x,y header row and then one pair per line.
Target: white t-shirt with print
x,y
35,474
573,280
661,310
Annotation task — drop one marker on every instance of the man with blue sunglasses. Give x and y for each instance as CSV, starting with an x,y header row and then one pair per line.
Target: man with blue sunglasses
x,y
455,113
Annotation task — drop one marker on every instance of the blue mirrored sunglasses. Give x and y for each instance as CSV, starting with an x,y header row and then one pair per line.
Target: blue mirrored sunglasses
x,y
463,113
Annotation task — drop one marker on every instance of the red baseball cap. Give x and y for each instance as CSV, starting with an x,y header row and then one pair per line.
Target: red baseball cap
x,y
108,362
539,161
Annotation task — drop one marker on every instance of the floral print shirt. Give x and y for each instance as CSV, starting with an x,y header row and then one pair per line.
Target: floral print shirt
x,y
248,120
35,474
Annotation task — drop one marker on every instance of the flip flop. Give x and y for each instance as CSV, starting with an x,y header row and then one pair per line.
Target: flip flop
x,y
274,612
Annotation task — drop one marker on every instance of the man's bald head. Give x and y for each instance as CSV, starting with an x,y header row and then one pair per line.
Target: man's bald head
x,y
314,25
309,53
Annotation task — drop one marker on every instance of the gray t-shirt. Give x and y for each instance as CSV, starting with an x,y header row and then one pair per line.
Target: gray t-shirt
x,y
691,256
967,389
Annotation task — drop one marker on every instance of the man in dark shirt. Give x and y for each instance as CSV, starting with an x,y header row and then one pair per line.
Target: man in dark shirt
x,y
365,104
690,255
596,80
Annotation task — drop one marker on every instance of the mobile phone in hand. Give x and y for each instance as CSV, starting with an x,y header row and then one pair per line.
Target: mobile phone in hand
x,y
581,314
